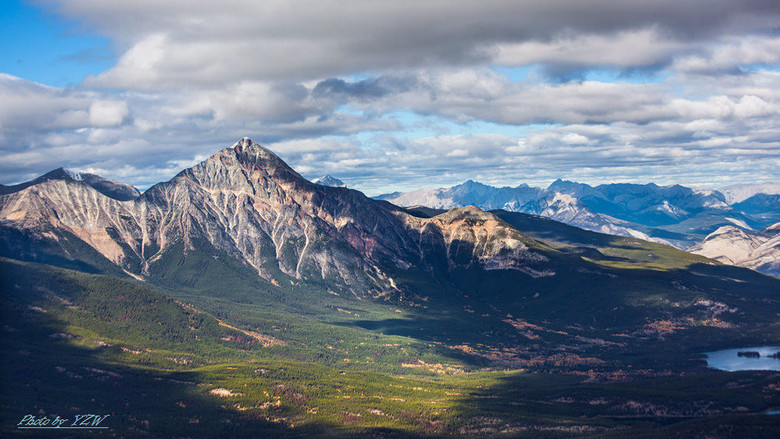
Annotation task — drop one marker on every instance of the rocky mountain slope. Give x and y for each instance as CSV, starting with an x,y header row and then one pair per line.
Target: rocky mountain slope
x,y
246,203
731,245
110,188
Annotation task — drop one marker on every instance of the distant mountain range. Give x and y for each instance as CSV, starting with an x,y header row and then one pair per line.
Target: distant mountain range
x,y
674,215
245,204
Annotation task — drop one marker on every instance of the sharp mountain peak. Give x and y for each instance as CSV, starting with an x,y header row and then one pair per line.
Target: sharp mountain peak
x,y
244,164
247,147
249,151
329,180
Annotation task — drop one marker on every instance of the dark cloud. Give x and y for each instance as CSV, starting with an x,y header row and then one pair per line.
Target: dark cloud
x,y
363,90
202,42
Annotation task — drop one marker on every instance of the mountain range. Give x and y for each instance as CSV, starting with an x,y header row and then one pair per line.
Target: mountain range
x,y
290,303
246,203
672,215
245,211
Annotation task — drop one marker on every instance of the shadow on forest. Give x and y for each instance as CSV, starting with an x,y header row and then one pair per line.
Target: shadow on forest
x,y
45,372
47,375
551,405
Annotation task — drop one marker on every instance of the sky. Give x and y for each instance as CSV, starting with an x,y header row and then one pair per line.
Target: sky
x,y
397,95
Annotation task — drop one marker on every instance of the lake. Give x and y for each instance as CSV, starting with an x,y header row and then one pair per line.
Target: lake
x,y
729,361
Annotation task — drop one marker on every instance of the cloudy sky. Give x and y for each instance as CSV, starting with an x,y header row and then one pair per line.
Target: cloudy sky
x,y
396,95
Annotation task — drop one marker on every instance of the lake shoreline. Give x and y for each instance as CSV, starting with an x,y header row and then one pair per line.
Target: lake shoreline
x,y
729,359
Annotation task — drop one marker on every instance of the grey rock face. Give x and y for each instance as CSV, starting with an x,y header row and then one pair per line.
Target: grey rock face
x,y
731,245
110,188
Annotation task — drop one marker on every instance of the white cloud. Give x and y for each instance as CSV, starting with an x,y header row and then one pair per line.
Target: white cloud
x,y
193,76
107,113
574,139
724,107
731,55
138,65
27,107
200,42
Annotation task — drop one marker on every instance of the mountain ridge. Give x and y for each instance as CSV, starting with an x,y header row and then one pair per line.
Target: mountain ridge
x,y
110,188
132,229
246,202
673,215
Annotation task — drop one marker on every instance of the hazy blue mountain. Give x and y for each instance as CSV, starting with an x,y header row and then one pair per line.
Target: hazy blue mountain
x,y
675,215
652,205
763,207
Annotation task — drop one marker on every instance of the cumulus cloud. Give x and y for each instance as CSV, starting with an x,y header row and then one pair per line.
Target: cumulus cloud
x,y
203,42
27,107
331,87
732,56
474,94
598,130
145,137
107,113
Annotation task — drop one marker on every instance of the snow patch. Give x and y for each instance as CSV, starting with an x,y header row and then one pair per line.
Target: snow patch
x,y
76,175
740,192
739,223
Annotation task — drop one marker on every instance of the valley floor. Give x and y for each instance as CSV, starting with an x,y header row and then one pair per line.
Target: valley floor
x,y
160,368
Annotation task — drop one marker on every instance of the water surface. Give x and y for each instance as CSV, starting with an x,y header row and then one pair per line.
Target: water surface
x,y
728,359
